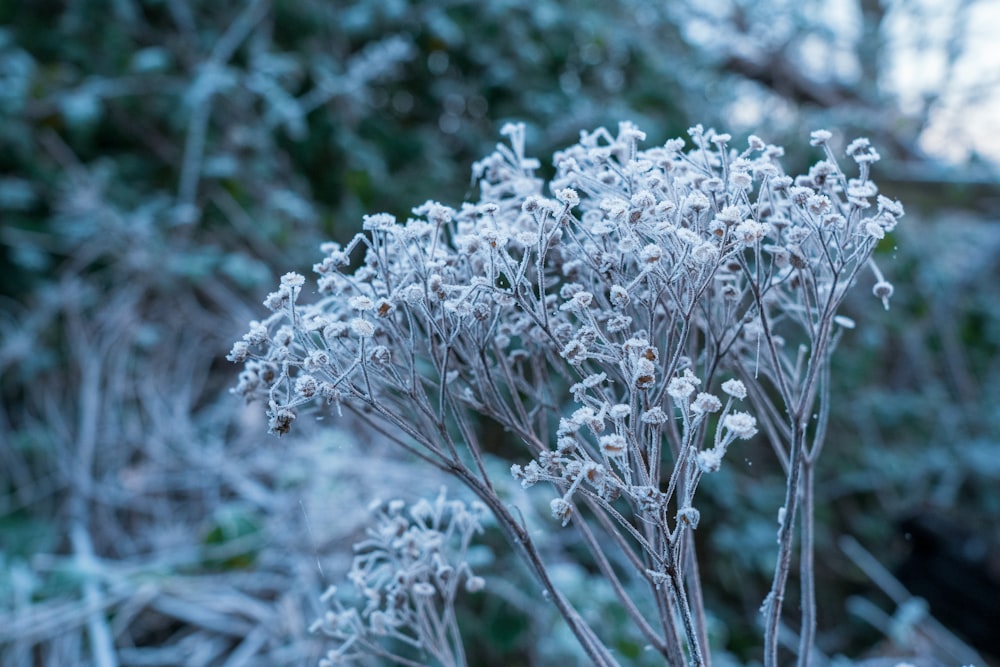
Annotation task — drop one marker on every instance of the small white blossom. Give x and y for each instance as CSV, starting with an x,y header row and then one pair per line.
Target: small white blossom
x,y
688,236
643,199
709,461
741,424
561,510
619,296
696,202
239,353
644,376
705,253
568,196
705,403
378,221
275,301
740,180
750,232
820,137
574,352
412,294
690,517
362,328
883,290
306,386
874,230
735,388
619,411
654,415
257,334
679,389
293,280
613,445
361,303
651,253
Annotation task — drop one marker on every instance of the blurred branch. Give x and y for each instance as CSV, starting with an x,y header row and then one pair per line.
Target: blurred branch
x,y
101,642
194,145
946,647
774,71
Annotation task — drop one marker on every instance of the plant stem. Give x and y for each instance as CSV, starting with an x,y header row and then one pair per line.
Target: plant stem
x,y
806,564
772,608
591,643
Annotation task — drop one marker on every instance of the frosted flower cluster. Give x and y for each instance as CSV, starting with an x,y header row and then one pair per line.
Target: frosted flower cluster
x,y
408,572
614,320
633,253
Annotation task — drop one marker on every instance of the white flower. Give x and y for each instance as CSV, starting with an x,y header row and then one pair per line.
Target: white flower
x,y
820,137
239,353
862,151
751,231
705,402
613,445
619,296
818,204
890,206
257,334
643,199
741,424
689,516
696,202
582,416
316,360
277,300
709,460
306,386
655,415
412,294
362,328
651,253
379,221
883,290
645,374
361,303
688,236
674,145
679,389
293,280
735,388
568,196
561,510
740,180
705,253
619,411
583,299
574,352
874,230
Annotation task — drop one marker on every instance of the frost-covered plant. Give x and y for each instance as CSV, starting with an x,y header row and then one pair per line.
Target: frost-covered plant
x,y
409,570
656,289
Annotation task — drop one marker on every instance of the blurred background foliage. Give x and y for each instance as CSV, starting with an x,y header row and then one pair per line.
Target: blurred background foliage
x,y
162,161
